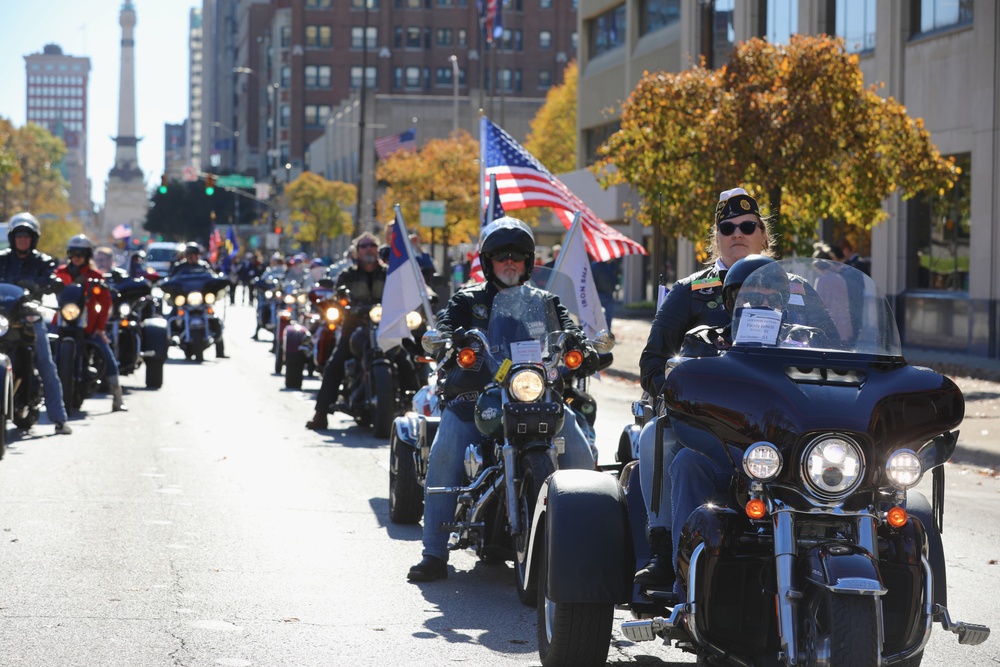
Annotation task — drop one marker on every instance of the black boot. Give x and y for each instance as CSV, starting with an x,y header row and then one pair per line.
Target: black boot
x,y
428,569
659,571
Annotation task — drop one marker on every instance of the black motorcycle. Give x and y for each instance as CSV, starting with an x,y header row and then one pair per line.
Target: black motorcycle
x,y
193,323
520,411
138,337
21,384
268,290
821,553
79,362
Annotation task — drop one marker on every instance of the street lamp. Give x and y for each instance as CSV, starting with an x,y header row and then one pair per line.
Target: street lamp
x,y
454,95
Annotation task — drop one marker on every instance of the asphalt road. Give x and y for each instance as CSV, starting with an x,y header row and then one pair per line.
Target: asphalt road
x,y
207,526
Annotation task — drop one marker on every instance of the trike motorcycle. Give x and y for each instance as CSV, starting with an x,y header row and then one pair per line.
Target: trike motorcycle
x,y
821,552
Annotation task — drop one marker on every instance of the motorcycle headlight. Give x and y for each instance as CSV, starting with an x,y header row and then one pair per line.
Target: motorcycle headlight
x,y
210,298
195,299
527,386
302,298
4,326
832,466
124,310
268,294
332,314
179,300
375,314
414,319
904,469
289,299
762,461
70,311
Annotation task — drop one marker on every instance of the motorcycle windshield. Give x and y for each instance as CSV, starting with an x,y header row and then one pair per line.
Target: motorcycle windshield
x,y
10,295
814,304
521,321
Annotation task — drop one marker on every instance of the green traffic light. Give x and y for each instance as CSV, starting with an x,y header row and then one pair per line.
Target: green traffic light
x,y
163,189
210,191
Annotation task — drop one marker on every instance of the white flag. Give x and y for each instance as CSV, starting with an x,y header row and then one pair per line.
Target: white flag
x,y
574,263
404,291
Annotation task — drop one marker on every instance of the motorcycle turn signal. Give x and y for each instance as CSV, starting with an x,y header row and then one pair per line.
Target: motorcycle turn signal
x,y
756,509
573,359
897,517
466,357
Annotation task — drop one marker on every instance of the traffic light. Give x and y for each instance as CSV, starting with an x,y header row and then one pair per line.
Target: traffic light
x,y
210,185
163,184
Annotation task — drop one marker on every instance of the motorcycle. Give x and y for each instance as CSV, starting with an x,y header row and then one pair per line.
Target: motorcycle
x,y
137,336
192,323
822,553
79,362
518,414
309,342
293,302
268,303
22,386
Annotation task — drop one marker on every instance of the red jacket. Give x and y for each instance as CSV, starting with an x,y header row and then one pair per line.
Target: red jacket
x,y
98,298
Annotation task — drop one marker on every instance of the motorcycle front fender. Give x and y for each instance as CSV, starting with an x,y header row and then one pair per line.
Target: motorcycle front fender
x,y
407,429
843,568
155,337
584,530
295,341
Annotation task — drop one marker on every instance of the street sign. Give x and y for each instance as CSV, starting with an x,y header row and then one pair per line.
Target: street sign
x,y
235,181
190,174
432,213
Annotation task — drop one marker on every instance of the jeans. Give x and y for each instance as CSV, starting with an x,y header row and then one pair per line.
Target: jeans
x,y
447,468
110,363
51,386
647,462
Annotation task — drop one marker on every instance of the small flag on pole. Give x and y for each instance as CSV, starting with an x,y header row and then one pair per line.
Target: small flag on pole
x,y
404,141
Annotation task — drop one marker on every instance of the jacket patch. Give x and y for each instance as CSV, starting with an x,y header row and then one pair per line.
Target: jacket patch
x,y
706,284
481,311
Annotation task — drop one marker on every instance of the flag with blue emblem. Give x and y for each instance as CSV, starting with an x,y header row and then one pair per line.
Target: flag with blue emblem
x,y
404,293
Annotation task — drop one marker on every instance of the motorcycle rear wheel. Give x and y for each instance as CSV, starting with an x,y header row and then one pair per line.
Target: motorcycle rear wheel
x,y
293,375
572,634
384,393
406,496
536,467
841,630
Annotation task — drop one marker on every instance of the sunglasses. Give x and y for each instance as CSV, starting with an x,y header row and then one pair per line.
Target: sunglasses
x,y
759,299
366,245
77,253
510,256
747,227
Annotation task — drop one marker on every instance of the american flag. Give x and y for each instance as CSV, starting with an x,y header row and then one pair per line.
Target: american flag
x,y
490,18
523,182
404,141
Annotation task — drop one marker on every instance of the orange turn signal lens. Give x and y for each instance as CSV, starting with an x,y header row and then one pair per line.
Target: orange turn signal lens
x,y
756,509
97,290
897,517
180,313
466,357
124,323
573,359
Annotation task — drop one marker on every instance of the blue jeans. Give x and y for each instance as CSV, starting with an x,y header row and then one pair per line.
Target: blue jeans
x,y
446,467
110,363
647,463
51,386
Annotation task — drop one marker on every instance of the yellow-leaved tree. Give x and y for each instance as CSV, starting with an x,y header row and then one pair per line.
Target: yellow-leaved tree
x,y
320,206
442,169
792,123
30,178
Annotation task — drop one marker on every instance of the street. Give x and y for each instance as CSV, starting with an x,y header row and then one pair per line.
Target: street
x,y
207,526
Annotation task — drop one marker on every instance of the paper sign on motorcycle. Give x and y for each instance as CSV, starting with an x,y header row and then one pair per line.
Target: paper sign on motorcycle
x,y
759,326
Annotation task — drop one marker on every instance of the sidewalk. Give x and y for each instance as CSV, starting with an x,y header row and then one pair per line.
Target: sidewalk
x,y
978,378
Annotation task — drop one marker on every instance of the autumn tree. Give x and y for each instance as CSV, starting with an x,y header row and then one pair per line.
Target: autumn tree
x,y
793,124
30,176
552,138
320,206
443,169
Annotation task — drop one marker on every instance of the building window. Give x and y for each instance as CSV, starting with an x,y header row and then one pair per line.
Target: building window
x,y
286,37
412,79
360,4
445,3
286,114
545,39
607,31
357,37
940,228
317,76
397,37
286,76
318,4
463,38
855,23
371,80
782,20
545,4
316,114
656,14
444,36
413,38
936,14
545,79
443,76
319,36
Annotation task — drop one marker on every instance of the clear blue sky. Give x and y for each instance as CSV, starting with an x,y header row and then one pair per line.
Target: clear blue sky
x,y
90,28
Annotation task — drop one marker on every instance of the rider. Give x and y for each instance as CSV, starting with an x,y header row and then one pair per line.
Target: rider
x,y
507,250
81,269
23,265
192,261
365,280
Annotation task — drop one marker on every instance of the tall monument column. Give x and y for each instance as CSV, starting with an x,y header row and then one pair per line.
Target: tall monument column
x,y
125,198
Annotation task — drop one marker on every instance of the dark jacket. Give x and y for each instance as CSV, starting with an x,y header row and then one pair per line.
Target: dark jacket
x,y
691,302
366,287
183,266
35,272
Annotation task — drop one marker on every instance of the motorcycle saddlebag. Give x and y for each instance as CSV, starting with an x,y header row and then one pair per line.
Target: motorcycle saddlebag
x,y
524,421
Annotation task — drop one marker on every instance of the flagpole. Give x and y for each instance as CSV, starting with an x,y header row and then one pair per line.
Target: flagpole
x,y
482,159
569,236
401,229
494,195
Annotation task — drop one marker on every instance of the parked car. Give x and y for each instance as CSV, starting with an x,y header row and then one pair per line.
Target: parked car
x,y
160,255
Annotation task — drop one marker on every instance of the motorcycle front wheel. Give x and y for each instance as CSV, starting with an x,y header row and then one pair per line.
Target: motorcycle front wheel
x,y
536,466
154,373
293,375
406,496
384,393
67,374
841,630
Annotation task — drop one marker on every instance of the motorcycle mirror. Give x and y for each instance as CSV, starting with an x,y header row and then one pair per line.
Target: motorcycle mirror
x,y
432,341
604,342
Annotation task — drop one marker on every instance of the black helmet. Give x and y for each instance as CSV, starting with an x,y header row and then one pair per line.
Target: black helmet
x,y
81,242
192,247
506,234
24,222
737,275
